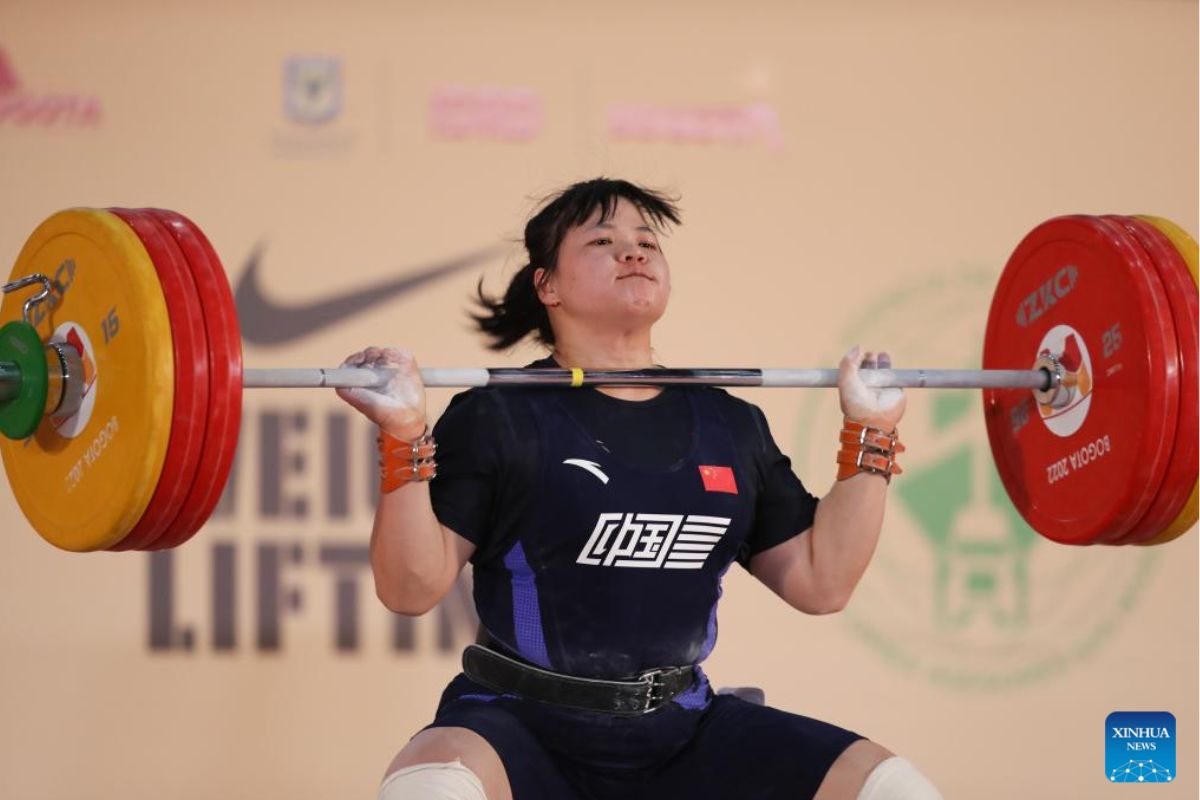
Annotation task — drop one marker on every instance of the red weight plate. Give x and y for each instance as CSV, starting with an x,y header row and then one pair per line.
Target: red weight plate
x,y
1180,477
1081,288
1165,445
189,413
225,372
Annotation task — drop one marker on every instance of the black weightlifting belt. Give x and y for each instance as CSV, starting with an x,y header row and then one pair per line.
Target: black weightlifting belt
x,y
505,675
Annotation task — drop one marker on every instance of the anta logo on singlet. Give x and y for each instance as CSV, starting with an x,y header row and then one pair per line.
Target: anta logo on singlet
x,y
588,466
653,541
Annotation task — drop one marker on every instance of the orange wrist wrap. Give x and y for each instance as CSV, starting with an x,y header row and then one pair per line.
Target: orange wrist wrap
x,y
867,449
402,462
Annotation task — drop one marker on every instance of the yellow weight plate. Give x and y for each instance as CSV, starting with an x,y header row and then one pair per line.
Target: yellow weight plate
x,y
1183,241
1186,245
1183,523
84,483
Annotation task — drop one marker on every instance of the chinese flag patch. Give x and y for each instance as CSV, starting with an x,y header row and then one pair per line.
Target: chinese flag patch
x,y
718,479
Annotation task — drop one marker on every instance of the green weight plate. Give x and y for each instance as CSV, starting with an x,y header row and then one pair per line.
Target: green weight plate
x,y
21,345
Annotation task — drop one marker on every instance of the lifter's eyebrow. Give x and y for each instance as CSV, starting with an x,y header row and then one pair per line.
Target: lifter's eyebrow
x,y
608,226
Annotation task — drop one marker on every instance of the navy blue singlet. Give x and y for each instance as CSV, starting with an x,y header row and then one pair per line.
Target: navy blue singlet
x,y
617,568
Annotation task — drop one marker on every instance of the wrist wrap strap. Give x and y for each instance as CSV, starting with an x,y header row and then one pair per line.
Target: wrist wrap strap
x,y
402,462
866,449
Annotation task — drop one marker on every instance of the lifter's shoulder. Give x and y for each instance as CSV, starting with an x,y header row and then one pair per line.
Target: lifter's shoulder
x,y
743,417
475,400
486,414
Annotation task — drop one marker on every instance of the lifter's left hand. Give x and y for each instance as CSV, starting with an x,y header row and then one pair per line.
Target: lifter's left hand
x,y
878,408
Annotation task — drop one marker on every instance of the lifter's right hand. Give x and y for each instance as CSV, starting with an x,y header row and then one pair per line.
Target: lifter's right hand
x,y
397,408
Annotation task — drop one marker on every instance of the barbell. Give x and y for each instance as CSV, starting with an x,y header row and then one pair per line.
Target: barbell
x,y
121,379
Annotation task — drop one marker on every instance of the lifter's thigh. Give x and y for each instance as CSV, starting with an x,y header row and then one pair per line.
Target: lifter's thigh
x,y
442,745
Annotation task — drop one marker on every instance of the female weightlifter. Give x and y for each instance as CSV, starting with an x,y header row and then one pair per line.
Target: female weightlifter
x,y
599,524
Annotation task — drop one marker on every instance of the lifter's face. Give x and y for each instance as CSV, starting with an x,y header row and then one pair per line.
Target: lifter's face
x,y
609,271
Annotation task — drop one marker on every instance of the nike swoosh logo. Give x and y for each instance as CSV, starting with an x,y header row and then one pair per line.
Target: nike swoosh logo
x,y
590,466
268,323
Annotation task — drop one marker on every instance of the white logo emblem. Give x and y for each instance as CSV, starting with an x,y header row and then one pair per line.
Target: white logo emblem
x,y
1064,420
590,466
653,541
312,89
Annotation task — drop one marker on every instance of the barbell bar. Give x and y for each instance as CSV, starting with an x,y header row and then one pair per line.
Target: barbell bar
x,y
449,377
138,323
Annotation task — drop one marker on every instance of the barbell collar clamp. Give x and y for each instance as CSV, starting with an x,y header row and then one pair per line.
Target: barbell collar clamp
x,y
29,280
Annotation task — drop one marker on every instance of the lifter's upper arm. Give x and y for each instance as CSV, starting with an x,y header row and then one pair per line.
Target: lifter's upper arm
x,y
458,551
787,569
412,596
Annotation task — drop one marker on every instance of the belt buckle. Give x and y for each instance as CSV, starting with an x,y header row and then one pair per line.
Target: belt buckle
x,y
654,679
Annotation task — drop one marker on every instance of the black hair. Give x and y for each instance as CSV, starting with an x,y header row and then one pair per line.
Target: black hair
x,y
508,319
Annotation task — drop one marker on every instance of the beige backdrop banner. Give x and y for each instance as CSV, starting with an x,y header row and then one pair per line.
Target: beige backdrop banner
x,y
849,172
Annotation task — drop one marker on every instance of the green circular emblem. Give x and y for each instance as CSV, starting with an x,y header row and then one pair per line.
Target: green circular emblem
x,y
961,591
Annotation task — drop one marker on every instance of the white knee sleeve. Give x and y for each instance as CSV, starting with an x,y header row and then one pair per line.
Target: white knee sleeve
x,y
451,781
896,778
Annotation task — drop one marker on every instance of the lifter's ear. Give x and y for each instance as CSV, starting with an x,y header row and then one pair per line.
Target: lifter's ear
x,y
544,286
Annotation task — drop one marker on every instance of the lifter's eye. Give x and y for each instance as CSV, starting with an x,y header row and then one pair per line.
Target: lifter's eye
x,y
649,245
